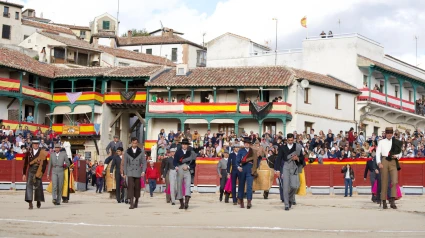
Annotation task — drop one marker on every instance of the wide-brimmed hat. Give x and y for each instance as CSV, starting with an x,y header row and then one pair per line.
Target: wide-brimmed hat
x,y
247,140
185,142
35,141
389,130
58,146
173,149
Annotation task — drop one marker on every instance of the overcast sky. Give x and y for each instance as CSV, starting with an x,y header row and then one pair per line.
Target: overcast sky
x,y
393,23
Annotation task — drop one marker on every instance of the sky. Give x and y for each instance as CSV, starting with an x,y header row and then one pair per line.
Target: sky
x,y
393,23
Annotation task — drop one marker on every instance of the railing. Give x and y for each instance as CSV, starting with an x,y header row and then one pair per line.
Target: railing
x,y
388,100
85,96
286,51
117,98
14,125
277,108
193,108
82,129
37,93
343,35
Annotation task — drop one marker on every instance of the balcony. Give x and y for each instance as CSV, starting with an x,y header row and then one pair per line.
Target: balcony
x,y
30,91
213,108
31,126
80,130
10,85
84,97
387,100
116,98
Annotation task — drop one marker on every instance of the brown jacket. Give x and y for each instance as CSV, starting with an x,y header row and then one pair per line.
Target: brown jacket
x,y
30,159
253,157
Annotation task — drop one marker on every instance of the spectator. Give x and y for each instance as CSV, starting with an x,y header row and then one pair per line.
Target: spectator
x,y
152,176
348,178
19,131
99,177
30,118
17,147
171,136
6,142
38,132
113,146
27,133
11,154
188,135
3,152
210,98
330,34
162,133
188,99
8,132
174,100
161,150
76,158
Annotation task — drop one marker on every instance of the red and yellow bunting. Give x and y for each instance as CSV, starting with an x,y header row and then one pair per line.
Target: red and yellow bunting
x,y
36,93
277,108
85,96
149,144
115,97
209,108
9,84
21,156
14,125
84,129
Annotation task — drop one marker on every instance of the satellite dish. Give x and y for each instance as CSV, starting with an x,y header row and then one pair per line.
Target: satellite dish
x,y
304,83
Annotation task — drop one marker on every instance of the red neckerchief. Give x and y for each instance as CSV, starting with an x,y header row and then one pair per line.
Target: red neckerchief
x,y
246,156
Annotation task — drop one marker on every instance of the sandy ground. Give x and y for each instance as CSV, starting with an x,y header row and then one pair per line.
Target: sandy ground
x,y
95,215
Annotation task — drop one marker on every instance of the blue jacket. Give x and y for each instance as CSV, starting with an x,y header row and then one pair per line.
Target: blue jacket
x,y
231,162
179,154
241,153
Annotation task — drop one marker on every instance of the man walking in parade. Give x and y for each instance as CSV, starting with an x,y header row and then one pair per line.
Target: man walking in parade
x,y
387,154
181,161
113,146
222,173
233,172
292,157
58,162
134,168
170,175
35,161
116,165
247,160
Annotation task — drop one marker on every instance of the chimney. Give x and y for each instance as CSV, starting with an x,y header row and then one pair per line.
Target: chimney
x,y
95,42
168,32
129,33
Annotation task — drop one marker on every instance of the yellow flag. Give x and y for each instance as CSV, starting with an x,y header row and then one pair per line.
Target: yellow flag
x,y
304,22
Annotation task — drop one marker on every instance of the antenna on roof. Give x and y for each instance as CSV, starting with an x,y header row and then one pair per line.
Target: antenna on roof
x,y
162,27
416,39
203,39
118,13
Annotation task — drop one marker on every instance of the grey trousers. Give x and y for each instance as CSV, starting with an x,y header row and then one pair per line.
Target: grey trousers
x,y
57,185
288,192
183,176
171,180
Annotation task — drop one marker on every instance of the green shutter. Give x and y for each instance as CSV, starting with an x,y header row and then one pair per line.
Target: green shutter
x,y
106,25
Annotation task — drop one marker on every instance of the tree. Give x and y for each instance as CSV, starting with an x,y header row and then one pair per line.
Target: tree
x,y
136,32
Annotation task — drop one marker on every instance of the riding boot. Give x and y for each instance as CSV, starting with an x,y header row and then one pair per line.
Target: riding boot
x,y
131,203
38,204
266,194
384,204
392,203
249,205
136,202
241,203
226,197
30,206
186,202
181,204
221,194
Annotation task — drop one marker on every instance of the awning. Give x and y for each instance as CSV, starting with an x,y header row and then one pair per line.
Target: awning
x,y
196,121
60,110
81,109
222,121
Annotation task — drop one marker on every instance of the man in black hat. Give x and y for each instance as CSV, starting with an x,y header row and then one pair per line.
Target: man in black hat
x,y
58,162
182,159
35,161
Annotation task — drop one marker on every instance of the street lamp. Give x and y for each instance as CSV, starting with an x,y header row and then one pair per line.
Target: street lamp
x,y
275,49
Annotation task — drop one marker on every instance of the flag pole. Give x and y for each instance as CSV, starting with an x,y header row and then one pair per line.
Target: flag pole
x,y
306,27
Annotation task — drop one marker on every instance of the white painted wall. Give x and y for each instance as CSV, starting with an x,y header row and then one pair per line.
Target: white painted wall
x,y
165,51
110,60
155,126
192,56
37,41
16,35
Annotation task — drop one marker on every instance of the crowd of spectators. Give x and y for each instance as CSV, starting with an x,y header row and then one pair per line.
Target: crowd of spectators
x,y
317,146
18,141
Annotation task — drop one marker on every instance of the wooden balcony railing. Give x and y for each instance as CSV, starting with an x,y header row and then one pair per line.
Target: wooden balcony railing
x,y
391,101
14,125
116,98
30,91
193,108
9,84
85,96
277,108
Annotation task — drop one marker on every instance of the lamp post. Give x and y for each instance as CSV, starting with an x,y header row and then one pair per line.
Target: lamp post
x,y
275,49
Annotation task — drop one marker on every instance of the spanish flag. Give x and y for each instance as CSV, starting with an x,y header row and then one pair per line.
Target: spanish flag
x,y
304,22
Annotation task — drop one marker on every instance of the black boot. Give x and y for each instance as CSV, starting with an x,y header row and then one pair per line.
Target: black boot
x,y
136,202
384,204
226,197
186,202
181,204
131,204
249,205
266,194
221,194
392,203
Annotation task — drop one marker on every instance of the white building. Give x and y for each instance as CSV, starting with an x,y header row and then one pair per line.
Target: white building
x,y
352,58
11,31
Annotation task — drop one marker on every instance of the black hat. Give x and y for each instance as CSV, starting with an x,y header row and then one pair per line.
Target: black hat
x,y
247,140
185,142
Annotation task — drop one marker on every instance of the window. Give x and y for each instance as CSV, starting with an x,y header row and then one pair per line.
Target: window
x,y
17,15
306,95
308,126
82,34
25,37
6,12
180,71
5,32
174,54
59,53
365,81
201,60
410,96
396,91
105,25
123,64
136,51
149,51
382,85
337,101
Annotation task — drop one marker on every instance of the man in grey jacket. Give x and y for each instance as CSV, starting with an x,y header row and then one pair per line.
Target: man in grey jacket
x,y
134,168
113,146
58,162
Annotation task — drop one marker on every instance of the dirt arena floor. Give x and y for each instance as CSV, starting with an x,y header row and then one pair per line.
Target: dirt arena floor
x,y
95,215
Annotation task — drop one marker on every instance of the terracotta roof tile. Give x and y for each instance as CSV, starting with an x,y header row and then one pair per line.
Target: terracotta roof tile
x,y
17,60
47,26
109,34
130,72
127,54
74,42
237,76
154,40
324,80
73,26
364,61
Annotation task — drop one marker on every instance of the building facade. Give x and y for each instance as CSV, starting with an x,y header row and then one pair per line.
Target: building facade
x,y
11,30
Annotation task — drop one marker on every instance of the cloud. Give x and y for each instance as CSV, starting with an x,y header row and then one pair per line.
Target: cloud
x,y
393,23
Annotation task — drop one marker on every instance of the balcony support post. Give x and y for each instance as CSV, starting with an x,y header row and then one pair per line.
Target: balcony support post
x,y
260,127
238,101
215,94
103,87
209,125
66,55
147,101
369,81
51,111
285,95
182,125
72,85
400,82
36,82
192,94
36,112
169,95
284,126
94,84
414,85
237,126
92,114
20,108
21,75
386,78
261,94
52,86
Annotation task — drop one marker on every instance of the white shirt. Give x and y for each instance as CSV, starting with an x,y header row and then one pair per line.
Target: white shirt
x,y
347,174
184,151
34,151
383,149
134,150
289,146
